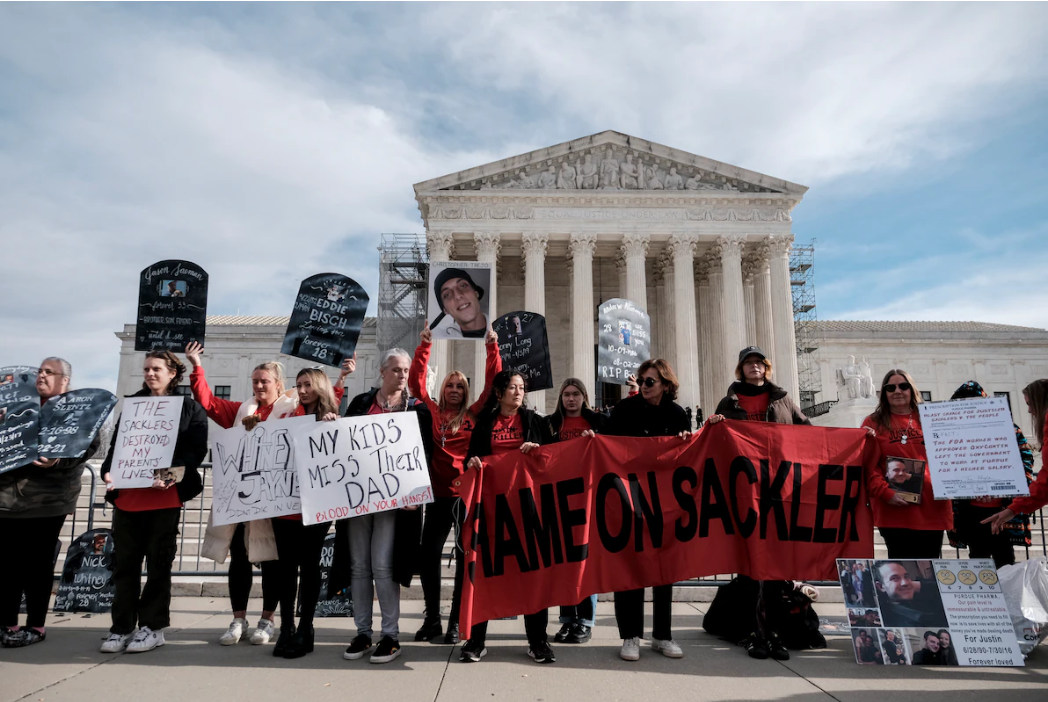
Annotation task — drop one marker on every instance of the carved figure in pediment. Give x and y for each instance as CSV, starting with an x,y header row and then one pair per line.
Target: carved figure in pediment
x,y
651,179
629,178
524,181
566,177
587,178
510,184
729,186
548,179
673,180
609,171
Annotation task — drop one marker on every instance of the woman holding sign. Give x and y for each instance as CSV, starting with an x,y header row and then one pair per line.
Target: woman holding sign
x,y
145,520
1036,396
651,413
453,420
504,425
910,530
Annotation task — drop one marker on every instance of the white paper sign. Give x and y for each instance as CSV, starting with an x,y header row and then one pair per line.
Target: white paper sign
x,y
971,448
361,465
254,471
145,439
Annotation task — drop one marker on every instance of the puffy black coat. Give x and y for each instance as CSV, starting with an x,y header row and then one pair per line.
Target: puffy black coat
x,y
635,416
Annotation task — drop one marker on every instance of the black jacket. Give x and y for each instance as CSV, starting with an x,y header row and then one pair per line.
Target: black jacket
x,y
190,449
536,429
635,416
781,409
409,522
597,421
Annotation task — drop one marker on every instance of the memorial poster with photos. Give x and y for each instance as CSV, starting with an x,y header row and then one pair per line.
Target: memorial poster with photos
x,y
70,421
459,299
326,319
928,612
524,348
19,417
172,306
624,340
86,584
145,441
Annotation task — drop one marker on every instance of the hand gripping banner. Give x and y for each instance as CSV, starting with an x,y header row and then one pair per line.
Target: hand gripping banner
x,y
607,514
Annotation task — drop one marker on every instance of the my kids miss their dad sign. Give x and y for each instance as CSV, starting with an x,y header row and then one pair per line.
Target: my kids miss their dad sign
x,y
624,342
172,306
607,514
361,465
524,347
326,320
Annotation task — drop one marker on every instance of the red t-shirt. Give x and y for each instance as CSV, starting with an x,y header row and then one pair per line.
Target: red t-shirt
x,y
755,407
507,434
573,427
147,499
376,408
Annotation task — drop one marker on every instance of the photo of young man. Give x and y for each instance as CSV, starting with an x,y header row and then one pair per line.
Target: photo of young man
x,y
906,599
458,307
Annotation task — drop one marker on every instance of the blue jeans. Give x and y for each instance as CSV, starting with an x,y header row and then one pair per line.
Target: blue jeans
x,y
582,613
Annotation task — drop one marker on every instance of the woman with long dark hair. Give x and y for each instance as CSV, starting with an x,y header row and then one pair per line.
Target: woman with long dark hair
x,y
506,424
1036,396
145,520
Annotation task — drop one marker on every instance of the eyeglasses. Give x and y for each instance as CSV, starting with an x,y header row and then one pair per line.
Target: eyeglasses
x,y
902,386
648,382
48,372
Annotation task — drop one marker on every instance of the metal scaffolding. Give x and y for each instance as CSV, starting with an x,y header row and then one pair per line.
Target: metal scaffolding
x,y
802,280
401,290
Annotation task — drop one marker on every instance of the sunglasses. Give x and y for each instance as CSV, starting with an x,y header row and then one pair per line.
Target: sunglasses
x,y
648,382
902,386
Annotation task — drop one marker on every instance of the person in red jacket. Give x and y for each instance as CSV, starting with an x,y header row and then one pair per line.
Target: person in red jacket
x,y
1036,396
453,420
909,530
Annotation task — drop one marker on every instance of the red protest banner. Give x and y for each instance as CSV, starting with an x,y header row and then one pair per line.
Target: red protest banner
x,y
608,514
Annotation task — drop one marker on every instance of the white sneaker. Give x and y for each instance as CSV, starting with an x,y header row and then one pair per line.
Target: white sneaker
x,y
667,647
630,650
145,640
263,632
234,633
117,642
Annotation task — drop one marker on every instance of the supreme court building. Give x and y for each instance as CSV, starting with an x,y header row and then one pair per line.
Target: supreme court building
x,y
703,246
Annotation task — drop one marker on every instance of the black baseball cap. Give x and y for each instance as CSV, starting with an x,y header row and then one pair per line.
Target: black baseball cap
x,y
751,351
451,274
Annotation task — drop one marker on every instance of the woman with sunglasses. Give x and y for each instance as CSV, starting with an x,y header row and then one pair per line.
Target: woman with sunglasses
x,y
909,530
651,413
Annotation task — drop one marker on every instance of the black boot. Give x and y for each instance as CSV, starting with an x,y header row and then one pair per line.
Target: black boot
x,y
564,633
430,630
284,640
301,642
452,637
580,634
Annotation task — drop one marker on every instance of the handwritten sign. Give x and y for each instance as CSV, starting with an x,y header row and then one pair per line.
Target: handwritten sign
x,y
145,440
524,347
326,320
19,417
86,584
361,465
624,342
254,471
172,306
69,422
972,450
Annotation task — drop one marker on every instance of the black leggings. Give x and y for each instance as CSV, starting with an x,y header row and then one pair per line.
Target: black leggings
x,y
299,547
241,576
29,550
534,627
912,543
440,517
629,612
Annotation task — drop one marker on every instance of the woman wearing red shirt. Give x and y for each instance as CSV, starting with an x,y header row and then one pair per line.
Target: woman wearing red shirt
x,y
453,420
505,425
1036,396
909,530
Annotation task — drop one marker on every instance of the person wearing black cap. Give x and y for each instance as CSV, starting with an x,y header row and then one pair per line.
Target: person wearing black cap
x,y
752,397
459,297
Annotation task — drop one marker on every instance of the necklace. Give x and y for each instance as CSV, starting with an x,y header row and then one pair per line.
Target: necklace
x,y
905,431
386,404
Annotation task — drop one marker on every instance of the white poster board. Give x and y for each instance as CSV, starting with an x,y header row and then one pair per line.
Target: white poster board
x,y
254,471
361,465
145,439
971,448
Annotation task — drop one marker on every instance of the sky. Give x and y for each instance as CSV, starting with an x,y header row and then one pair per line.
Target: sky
x,y
269,142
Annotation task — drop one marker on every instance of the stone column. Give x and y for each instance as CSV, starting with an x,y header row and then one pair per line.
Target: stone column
x,y
439,245
666,332
682,248
733,310
580,251
634,251
749,271
708,394
721,374
488,245
533,247
762,313
620,268
785,355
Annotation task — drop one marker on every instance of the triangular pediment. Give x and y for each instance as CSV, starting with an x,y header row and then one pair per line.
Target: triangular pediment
x,y
610,161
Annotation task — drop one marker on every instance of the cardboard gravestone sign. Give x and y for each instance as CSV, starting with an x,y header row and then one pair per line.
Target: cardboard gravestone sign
x,y
69,422
330,604
145,440
624,342
172,306
86,584
524,348
19,417
326,320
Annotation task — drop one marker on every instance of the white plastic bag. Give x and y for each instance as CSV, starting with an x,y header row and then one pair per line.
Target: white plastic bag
x,y
1025,587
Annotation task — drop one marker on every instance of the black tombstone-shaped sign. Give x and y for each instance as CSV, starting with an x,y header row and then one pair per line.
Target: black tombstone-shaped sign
x,y
19,417
69,422
325,322
331,604
86,584
172,306
524,347
624,342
